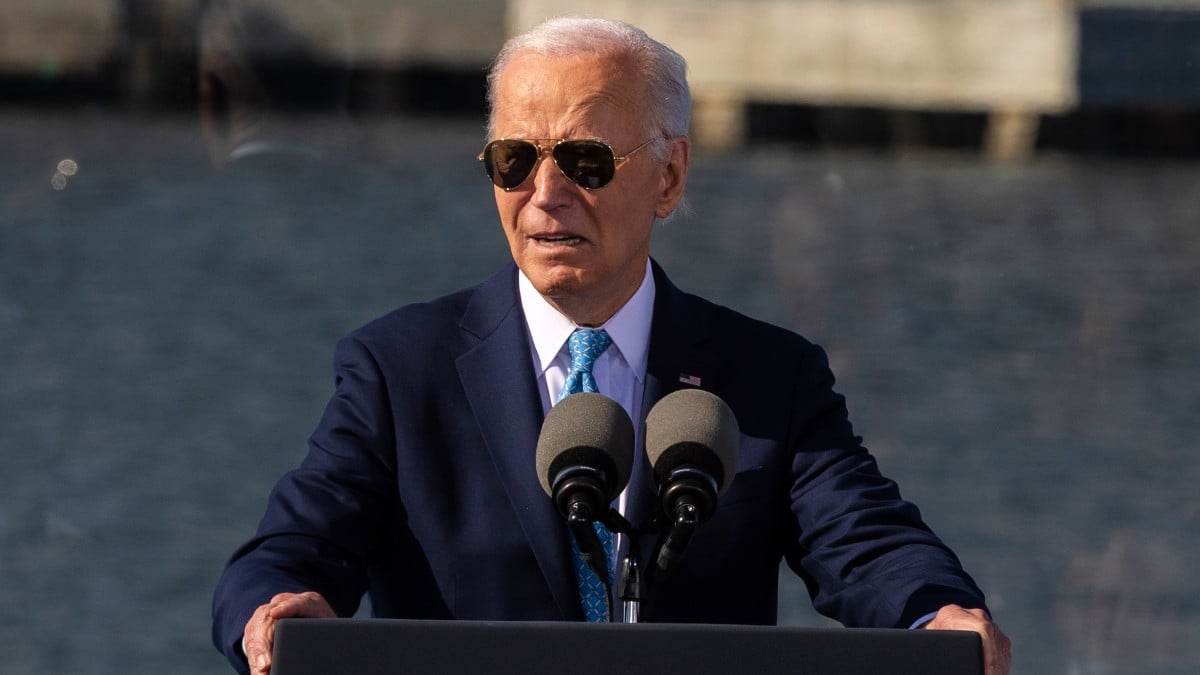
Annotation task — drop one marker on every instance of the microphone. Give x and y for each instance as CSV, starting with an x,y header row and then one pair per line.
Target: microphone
x,y
692,444
584,458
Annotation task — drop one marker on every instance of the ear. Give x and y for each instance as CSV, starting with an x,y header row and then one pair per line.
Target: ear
x,y
674,176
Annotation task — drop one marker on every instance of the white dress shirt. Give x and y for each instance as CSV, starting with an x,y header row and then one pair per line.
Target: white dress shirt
x,y
620,371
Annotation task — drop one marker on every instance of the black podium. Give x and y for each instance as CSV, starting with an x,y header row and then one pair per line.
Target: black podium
x,y
394,647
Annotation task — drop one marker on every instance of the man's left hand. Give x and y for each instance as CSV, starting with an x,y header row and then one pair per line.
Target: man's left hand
x,y
997,655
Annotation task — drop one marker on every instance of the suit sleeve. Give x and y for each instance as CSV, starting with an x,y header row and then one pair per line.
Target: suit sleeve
x,y
867,556
323,520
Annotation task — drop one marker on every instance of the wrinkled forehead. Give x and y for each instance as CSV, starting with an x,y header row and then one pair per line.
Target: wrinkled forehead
x,y
555,94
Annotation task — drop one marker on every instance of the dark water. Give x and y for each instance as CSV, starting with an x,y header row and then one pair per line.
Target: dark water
x,y
1020,347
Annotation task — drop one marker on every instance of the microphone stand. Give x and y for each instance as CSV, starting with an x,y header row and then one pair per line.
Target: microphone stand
x,y
629,578
631,581
634,584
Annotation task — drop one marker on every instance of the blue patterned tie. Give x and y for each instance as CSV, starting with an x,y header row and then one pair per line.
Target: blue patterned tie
x,y
586,344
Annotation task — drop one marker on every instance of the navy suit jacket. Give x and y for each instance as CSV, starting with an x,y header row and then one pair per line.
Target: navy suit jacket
x,y
419,485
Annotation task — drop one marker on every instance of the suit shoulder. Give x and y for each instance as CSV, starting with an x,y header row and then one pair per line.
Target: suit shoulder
x,y
446,323
417,320
730,325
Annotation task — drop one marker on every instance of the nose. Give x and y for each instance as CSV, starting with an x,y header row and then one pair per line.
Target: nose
x,y
550,187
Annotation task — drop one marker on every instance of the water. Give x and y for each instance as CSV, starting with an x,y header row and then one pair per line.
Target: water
x,y
1020,347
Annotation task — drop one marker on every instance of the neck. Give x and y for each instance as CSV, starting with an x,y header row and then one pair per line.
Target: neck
x,y
591,312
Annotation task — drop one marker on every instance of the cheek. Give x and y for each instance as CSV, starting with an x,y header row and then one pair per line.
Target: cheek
x,y
507,209
629,224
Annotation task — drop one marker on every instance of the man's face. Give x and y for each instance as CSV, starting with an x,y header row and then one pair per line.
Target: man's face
x,y
585,251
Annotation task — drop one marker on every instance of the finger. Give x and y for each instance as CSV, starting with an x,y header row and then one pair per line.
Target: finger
x,y
310,605
1001,654
262,666
257,639
259,635
996,645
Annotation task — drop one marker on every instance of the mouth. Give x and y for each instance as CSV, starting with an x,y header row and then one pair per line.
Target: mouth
x,y
557,239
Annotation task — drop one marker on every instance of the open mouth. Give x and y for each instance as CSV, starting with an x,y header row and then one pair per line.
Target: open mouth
x,y
558,239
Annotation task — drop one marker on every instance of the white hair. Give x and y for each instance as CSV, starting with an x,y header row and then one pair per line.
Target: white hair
x,y
662,69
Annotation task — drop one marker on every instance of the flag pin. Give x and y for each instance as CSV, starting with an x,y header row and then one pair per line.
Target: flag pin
x,y
689,379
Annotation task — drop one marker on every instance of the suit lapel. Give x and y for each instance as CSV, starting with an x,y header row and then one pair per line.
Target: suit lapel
x,y
496,375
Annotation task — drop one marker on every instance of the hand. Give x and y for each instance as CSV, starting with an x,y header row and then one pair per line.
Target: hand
x,y
259,635
997,655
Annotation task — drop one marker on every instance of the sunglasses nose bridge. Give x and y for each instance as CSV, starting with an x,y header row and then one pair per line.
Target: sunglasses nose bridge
x,y
548,177
543,151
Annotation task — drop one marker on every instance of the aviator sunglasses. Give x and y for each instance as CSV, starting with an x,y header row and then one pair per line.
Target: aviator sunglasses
x,y
591,164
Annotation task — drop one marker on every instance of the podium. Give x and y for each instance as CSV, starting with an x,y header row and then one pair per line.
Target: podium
x,y
399,646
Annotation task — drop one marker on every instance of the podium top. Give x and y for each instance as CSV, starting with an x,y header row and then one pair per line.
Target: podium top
x,y
378,646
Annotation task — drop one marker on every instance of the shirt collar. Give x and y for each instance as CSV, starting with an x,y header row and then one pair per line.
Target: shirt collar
x,y
629,328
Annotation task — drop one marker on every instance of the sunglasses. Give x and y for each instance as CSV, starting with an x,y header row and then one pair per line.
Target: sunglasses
x,y
591,164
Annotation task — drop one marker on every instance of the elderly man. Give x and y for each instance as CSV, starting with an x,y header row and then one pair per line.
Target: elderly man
x,y
419,486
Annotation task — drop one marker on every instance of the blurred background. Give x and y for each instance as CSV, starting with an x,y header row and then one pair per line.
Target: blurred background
x,y
986,210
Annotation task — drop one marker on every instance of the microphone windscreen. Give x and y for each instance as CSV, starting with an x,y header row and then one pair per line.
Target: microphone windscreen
x,y
589,430
693,427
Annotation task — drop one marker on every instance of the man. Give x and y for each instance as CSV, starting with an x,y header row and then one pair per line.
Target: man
x,y
419,485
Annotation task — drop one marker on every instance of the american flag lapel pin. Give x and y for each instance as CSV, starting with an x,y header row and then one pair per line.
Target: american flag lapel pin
x,y
689,379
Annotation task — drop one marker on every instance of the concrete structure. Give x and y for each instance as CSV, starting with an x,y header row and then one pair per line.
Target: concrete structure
x,y
141,41
51,36
1013,59
83,34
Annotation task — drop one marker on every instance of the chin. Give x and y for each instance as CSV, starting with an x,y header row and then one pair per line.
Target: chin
x,y
554,284
557,280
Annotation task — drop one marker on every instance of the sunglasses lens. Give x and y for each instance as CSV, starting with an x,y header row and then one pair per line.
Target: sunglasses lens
x,y
508,163
588,163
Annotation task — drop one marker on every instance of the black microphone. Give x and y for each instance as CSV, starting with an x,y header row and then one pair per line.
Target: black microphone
x,y
692,443
584,458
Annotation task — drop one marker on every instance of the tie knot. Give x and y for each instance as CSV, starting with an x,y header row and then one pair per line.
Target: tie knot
x,y
586,345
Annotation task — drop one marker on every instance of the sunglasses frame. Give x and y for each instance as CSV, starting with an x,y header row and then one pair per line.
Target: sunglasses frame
x,y
546,146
